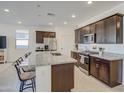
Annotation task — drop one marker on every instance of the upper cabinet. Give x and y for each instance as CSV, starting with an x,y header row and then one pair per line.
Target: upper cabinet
x,y
86,29
40,35
100,31
93,28
107,31
77,36
110,30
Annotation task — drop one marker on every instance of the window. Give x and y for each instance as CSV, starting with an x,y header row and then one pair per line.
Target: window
x,y
22,38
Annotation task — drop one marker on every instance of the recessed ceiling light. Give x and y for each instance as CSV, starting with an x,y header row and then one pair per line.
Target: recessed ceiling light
x,y
65,22
39,15
51,14
73,16
19,22
50,23
6,10
89,2
38,5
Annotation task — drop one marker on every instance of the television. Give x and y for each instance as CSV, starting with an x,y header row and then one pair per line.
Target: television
x,y
2,42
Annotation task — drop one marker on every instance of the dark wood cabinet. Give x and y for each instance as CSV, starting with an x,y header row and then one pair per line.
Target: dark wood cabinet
x,y
119,29
108,30
77,36
94,68
93,28
104,72
40,35
86,30
112,33
62,77
100,32
82,33
107,71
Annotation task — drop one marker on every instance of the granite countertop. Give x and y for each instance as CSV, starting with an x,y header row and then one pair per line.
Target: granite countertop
x,y
109,56
78,51
106,55
46,58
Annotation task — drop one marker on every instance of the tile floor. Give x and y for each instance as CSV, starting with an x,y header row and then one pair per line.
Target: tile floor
x,y
9,81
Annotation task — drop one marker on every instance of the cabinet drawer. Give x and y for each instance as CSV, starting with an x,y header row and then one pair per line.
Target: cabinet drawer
x,y
101,60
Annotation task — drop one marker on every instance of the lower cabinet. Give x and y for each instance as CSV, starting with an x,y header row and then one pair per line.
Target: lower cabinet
x,y
104,72
94,68
107,71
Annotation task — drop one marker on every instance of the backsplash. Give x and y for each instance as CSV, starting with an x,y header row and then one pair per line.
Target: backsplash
x,y
114,48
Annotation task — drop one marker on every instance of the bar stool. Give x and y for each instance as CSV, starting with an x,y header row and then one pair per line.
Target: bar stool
x,y
24,77
25,68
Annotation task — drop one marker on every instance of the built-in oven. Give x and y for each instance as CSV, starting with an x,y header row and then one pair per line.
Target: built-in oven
x,y
84,64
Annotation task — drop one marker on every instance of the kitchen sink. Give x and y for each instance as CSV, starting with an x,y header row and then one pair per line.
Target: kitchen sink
x,y
56,54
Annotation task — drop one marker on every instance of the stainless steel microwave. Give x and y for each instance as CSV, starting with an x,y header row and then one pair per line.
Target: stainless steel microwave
x,y
89,38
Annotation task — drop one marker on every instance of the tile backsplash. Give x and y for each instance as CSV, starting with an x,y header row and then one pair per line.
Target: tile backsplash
x,y
114,48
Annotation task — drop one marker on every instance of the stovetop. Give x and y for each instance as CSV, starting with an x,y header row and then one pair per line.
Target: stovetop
x,y
88,52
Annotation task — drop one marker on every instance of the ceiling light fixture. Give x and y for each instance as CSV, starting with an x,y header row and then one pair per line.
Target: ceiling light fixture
x,y
19,22
39,15
51,14
50,23
38,5
73,16
90,2
65,22
6,10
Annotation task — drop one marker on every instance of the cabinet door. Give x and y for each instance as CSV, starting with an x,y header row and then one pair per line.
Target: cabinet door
x,y
50,35
119,31
62,77
104,72
92,28
86,29
82,32
77,36
100,32
94,67
39,37
110,30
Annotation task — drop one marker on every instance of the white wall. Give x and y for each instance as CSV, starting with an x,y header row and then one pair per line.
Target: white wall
x,y
10,31
65,39
115,48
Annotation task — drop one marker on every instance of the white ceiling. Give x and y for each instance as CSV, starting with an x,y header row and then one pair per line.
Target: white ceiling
x,y
27,11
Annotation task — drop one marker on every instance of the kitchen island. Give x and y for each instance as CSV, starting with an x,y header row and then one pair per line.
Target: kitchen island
x,y
54,72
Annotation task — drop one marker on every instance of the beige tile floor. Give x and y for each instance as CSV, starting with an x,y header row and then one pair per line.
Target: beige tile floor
x,y
9,81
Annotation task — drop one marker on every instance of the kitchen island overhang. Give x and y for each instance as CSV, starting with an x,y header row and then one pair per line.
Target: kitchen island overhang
x,y
54,72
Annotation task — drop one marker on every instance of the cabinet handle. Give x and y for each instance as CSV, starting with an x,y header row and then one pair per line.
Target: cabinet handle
x,y
97,65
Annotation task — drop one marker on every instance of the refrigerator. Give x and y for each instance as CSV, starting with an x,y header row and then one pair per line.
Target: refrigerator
x,y
51,43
